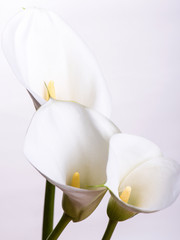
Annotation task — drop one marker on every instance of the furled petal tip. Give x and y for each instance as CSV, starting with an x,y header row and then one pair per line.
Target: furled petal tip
x,y
65,138
138,164
41,48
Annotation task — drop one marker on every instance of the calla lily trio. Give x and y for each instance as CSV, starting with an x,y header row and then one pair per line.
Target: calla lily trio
x,y
70,140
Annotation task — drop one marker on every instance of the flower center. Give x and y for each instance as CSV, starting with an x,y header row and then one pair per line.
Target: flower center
x,y
75,180
125,195
49,91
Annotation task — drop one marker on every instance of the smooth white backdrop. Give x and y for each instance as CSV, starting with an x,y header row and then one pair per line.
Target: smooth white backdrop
x,y
136,43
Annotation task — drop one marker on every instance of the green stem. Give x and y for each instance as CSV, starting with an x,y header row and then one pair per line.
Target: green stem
x,y
110,229
59,227
48,210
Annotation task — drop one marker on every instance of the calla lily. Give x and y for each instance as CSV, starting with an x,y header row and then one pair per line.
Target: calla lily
x,y
139,178
41,48
65,138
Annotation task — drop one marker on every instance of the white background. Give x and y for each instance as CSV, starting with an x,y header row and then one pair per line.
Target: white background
x,y
136,43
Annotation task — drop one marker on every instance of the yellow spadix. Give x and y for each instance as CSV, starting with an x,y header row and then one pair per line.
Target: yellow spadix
x,y
125,195
76,180
49,91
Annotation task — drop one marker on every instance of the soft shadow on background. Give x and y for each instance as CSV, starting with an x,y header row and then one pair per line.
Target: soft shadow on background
x,y
137,46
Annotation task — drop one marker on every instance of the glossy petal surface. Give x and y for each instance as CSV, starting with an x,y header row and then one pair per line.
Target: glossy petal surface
x,y
64,138
138,163
40,47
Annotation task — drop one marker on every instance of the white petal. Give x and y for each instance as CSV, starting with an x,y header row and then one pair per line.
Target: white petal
x,y
127,152
65,137
155,184
40,47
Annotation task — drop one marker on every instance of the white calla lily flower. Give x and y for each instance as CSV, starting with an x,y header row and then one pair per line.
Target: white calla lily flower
x,y
41,48
139,178
65,138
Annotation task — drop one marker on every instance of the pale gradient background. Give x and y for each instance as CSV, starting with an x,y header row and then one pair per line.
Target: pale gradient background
x,y
136,43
